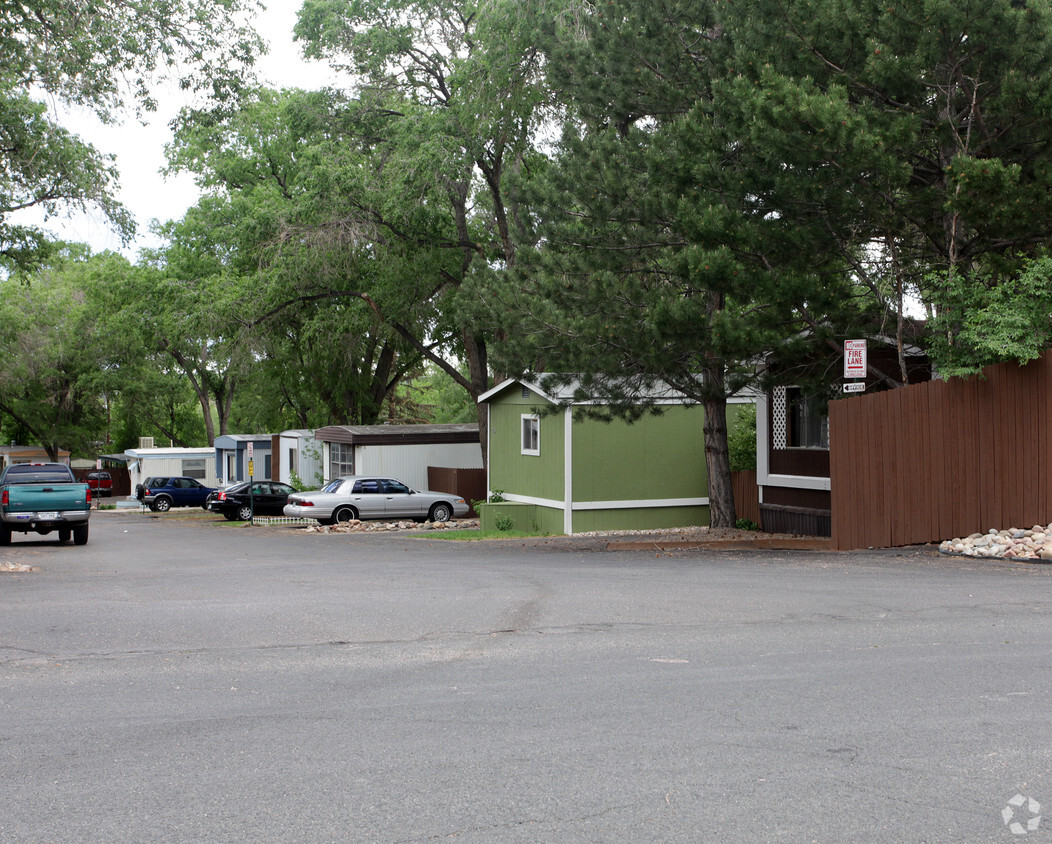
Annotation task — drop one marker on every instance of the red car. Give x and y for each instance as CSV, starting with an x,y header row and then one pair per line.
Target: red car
x,y
100,483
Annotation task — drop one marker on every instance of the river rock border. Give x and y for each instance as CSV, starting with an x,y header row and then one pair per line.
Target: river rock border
x,y
356,526
1033,544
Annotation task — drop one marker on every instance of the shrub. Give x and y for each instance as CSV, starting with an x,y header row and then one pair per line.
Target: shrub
x,y
741,440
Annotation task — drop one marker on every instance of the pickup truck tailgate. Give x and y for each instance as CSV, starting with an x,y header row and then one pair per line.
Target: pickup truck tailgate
x,y
46,497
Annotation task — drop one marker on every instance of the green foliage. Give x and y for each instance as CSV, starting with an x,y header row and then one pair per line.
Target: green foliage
x,y
103,57
733,181
454,91
982,324
429,396
299,483
651,265
741,439
496,496
53,375
48,167
319,290
746,524
916,134
504,523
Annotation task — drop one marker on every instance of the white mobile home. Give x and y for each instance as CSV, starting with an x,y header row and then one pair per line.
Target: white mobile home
x,y
398,451
199,463
297,453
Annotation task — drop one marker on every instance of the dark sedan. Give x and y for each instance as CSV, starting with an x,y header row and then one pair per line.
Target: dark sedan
x,y
268,498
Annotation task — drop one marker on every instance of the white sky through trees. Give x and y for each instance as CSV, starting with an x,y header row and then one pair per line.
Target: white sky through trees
x,y
144,190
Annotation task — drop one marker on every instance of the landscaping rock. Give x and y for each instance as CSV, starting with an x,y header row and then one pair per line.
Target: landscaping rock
x,y
1011,544
355,526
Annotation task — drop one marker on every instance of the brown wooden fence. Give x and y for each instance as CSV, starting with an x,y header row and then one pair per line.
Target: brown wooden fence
x,y
120,476
746,495
469,484
942,459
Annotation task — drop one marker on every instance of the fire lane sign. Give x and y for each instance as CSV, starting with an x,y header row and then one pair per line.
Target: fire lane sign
x,y
854,358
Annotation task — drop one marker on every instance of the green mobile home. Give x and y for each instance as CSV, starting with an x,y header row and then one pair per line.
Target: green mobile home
x,y
564,475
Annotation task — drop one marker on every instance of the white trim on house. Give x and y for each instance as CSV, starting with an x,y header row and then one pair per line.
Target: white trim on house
x,y
534,418
662,394
763,461
796,481
529,499
633,504
567,471
507,382
623,504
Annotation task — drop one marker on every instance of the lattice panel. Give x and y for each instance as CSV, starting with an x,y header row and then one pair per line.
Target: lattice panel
x,y
779,427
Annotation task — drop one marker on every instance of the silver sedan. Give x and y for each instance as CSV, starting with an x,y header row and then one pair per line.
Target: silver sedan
x,y
361,497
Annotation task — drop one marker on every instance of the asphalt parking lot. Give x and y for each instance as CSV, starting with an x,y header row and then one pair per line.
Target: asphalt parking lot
x,y
191,680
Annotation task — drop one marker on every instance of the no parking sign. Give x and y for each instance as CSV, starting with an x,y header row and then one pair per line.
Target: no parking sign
x,y
854,358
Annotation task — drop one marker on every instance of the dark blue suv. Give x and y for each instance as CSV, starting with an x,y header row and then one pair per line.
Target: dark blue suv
x,y
162,494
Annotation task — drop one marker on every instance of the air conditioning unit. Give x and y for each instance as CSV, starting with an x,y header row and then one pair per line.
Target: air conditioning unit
x,y
145,442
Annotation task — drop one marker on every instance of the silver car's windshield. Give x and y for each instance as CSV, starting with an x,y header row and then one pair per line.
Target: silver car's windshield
x,y
332,486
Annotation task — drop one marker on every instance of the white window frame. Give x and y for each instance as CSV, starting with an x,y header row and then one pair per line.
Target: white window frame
x,y
533,447
339,464
195,468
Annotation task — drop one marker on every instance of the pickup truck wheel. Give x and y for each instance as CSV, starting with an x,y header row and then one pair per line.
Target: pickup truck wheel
x,y
5,535
64,534
80,535
162,504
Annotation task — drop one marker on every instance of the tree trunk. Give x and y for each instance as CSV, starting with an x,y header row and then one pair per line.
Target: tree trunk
x,y
478,372
717,458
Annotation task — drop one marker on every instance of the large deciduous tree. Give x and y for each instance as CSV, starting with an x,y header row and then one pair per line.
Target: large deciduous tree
x,y
459,88
103,57
285,203
184,302
54,375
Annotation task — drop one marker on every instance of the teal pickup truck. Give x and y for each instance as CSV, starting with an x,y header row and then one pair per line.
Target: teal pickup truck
x,y
43,497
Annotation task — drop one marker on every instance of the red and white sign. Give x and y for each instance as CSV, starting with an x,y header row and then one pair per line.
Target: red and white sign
x,y
854,358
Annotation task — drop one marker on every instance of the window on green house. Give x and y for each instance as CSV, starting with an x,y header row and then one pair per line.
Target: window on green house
x,y
531,434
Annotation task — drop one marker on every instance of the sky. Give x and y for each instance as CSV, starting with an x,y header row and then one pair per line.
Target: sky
x,y
148,194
